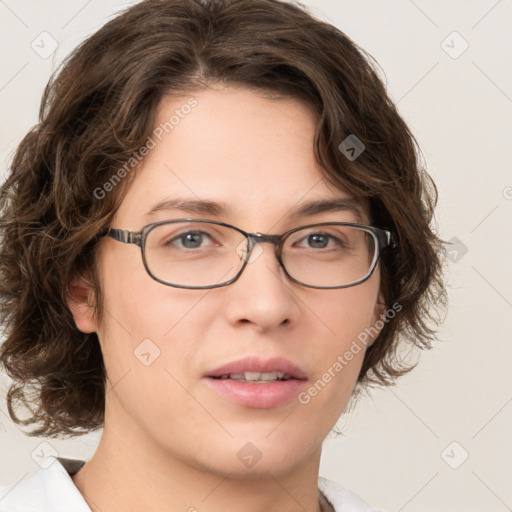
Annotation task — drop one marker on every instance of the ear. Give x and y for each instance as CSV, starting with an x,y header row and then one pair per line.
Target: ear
x,y
80,300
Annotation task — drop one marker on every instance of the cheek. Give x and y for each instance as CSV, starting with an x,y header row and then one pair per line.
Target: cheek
x,y
347,313
151,336
143,319
343,331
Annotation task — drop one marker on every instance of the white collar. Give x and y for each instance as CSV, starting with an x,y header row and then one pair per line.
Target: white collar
x,y
50,489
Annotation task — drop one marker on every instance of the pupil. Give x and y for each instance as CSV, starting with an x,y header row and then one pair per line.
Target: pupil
x,y
319,241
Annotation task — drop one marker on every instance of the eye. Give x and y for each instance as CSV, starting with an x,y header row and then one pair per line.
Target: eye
x,y
190,240
320,241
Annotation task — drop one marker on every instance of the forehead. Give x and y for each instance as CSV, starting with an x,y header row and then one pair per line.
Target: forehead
x,y
235,155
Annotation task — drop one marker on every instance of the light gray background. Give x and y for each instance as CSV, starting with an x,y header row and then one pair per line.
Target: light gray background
x,y
398,449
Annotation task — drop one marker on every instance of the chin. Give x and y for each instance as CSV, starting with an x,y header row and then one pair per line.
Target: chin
x,y
277,465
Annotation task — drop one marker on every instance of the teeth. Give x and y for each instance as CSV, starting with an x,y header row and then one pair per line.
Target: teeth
x,y
257,377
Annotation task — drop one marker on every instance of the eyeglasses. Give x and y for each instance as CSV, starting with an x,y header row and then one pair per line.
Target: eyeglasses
x,y
201,254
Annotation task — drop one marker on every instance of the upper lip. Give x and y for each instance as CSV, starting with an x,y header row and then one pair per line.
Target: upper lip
x,y
256,364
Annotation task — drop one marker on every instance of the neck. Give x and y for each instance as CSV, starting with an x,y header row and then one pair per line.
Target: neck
x,y
130,472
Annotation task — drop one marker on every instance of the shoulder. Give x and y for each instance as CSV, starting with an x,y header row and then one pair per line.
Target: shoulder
x,y
50,489
342,499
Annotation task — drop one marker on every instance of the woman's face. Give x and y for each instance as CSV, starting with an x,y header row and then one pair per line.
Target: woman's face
x,y
254,156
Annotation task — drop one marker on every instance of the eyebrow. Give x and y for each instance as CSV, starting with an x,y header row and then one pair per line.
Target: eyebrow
x,y
329,205
199,206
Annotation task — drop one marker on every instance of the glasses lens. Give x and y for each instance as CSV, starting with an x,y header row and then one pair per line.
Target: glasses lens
x,y
194,253
330,255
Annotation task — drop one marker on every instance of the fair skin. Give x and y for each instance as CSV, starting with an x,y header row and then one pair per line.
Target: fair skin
x,y
170,442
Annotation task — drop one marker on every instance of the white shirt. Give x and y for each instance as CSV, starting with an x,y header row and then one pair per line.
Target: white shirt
x,y
53,490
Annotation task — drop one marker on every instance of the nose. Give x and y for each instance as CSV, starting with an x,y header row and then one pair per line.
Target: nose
x,y
262,296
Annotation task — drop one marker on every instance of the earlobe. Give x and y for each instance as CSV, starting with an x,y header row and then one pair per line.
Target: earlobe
x,y
80,301
380,310
377,319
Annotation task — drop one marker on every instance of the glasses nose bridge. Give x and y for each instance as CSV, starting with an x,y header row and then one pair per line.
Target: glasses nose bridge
x,y
263,238
260,238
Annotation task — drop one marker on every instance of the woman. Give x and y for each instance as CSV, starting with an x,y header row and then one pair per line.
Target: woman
x,y
206,133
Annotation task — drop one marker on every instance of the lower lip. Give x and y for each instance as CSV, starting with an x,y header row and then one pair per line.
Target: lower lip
x,y
258,396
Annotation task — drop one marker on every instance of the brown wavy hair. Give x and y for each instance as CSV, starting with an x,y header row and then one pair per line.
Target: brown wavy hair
x,y
99,108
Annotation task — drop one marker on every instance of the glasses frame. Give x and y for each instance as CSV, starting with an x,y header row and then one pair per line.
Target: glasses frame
x,y
383,237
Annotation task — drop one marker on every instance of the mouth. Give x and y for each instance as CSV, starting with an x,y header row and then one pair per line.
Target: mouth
x,y
256,377
254,368
257,383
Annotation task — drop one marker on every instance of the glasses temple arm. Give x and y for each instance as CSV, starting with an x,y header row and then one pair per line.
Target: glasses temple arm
x,y
124,236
